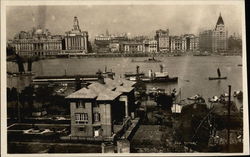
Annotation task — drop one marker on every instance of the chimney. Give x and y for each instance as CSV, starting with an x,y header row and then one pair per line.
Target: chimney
x,y
137,69
78,83
100,77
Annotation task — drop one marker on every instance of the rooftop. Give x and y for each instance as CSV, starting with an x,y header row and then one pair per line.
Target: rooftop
x,y
111,89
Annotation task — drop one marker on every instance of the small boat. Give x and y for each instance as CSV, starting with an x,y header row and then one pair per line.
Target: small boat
x,y
213,99
238,94
195,97
219,76
149,60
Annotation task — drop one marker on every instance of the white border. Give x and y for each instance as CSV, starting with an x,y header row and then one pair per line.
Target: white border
x,y
5,3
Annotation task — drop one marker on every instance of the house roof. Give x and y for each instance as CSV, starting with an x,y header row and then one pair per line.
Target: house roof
x,y
83,93
123,89
108,91
108,95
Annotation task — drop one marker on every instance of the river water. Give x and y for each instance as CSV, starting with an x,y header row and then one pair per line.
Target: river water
x,y
193,72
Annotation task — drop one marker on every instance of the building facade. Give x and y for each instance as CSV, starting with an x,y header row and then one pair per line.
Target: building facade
x,y
109,42
132,47
150,45
163,40
177,44
76,41
214,40
192,42
37,42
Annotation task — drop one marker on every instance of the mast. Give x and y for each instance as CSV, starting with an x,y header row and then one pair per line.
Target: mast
x,y
218,72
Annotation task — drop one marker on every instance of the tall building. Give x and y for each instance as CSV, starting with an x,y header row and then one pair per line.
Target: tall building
x,y
76,41
220,35
163,42
216,39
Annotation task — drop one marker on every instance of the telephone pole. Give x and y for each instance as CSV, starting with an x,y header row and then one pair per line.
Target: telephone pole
x,y
228,122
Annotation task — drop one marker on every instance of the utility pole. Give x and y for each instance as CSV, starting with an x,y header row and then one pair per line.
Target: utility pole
x,y
18,108
228,122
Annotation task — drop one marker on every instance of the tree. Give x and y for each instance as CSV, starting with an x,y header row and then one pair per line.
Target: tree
x,y
165,101
89,47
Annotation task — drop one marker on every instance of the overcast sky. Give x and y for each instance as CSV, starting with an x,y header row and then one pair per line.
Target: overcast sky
x,y
134,19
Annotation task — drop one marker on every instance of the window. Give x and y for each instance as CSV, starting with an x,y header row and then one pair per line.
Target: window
x,y
81,117
80,104
96,117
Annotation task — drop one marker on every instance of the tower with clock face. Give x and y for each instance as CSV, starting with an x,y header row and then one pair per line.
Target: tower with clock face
x,y
219,36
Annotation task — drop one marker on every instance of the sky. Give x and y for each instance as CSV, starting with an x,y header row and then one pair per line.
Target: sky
x,y
133,19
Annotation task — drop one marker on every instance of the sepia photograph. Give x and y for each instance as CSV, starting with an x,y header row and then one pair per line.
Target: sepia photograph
x,y
133,77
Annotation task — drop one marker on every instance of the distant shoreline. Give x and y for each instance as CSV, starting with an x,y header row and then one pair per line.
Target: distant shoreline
x,y
106,55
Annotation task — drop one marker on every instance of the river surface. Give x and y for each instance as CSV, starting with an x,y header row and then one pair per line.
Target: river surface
x,y
193,72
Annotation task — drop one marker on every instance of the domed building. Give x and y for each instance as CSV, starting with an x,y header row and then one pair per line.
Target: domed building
x,y
37,42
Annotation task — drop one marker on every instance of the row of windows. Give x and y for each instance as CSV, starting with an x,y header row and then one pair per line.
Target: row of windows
x,y
83,117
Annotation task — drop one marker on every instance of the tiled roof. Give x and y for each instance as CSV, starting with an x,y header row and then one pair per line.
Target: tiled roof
x,y
108,91
108,95
125,89
83,93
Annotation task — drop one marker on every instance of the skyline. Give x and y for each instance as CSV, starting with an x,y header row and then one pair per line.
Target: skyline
x,y
96,19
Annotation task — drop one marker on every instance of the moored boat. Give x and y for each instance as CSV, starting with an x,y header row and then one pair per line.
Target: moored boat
x,y
219,76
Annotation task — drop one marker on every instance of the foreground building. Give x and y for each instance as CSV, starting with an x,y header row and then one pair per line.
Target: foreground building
x,y
96,108
214,40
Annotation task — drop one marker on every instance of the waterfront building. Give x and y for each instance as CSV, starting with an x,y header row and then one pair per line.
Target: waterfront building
x,y
37,42
76,41
192,42
216,39
150,45
102,43
95,109
177,44
206,40
132,46
163,40
114,46
109,42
